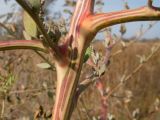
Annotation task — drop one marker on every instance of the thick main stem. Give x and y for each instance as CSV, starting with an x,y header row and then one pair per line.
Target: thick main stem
x,y
67,76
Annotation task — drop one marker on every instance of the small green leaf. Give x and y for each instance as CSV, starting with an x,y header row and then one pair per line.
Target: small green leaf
x,y
44,65
88,54
29,25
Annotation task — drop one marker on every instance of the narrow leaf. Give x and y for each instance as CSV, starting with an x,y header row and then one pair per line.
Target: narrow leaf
x,y
44,65
26,36
88,53
29,25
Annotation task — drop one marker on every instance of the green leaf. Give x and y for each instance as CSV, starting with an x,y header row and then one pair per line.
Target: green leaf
x,y
29,25
88,53
44,65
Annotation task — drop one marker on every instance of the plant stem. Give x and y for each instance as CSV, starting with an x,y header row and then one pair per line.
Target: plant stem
x,y
22,44
99,21
40,26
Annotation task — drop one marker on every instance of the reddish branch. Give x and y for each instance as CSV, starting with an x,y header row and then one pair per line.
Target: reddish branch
x,y
100,21
22,44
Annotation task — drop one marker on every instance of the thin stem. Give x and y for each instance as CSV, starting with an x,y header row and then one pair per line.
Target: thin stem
x,y
85,109
79,113
30,91
22,44
133,72
133,41
6,28
3,107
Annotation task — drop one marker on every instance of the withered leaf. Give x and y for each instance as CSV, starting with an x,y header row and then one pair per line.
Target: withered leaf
x,y
29,25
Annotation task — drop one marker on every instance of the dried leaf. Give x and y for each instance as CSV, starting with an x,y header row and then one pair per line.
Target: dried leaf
x,y
26,36
142,58
95,57
44,65
136,113
29,25
12,27
102,70
123,43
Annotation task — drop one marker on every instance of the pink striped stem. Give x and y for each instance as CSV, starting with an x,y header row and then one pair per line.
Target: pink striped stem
x,y
68,75
22,44
103,20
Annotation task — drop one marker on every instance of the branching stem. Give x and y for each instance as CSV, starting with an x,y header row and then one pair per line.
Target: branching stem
x,y
40,25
